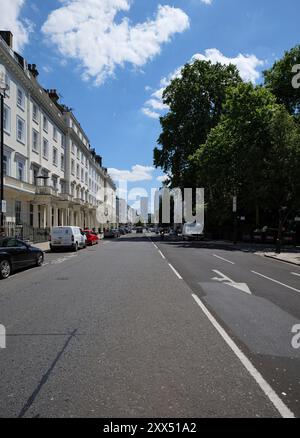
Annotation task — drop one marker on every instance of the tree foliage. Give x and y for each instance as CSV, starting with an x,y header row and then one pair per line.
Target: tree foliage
x,y
195,101
279,79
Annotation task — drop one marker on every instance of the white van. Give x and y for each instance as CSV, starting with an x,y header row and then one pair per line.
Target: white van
x,y
67,238
192,231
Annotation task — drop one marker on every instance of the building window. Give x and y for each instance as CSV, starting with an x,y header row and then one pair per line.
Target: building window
x,y
6,115
18,211
62,162
54,182
5,165
31,215
45,123
35,141
20,130
20,171
73,167
73,148
54,133
20,98
54,156
35,174
78,154
7,83
78,171
45,148
82,176
35,112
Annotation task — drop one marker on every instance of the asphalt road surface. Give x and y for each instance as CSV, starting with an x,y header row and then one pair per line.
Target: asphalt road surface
x,y
138,328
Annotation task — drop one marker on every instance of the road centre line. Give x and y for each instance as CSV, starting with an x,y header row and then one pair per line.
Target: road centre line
x,y
275,281
284,411
222,258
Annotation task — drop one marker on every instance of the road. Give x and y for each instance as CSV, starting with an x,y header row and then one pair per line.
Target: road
x,y
138,328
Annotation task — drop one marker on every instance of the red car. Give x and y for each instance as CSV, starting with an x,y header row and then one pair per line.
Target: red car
x,y
91,237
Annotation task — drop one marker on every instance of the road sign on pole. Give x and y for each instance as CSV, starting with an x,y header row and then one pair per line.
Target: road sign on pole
x,y
234,204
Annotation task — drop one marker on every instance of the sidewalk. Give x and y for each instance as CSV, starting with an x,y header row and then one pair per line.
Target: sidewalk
x,y
43,246
288,257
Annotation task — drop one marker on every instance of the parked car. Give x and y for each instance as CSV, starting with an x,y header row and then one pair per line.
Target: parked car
x,y
112,233
139,230
16,254
122,231
116,232
67,238
91,237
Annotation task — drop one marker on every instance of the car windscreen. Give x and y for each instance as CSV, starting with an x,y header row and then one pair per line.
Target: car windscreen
x,y
60,231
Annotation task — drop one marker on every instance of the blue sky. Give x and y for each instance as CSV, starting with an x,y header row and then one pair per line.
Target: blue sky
x,y
111,59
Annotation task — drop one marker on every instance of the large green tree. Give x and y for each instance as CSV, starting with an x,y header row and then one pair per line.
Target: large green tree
x,y
195,101
283,82
254,153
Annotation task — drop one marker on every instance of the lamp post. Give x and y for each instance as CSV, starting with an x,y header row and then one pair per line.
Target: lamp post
x,y
3,89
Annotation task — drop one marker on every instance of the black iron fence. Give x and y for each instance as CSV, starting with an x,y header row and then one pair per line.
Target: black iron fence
x,y
26,232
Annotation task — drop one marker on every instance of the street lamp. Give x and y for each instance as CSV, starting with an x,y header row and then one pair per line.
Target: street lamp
x,y
3,89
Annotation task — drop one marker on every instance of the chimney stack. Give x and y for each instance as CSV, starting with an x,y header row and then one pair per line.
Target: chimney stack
x,y
33,70
53,95
8,37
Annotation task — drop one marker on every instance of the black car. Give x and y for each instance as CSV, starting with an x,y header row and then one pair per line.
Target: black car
x,y
16,254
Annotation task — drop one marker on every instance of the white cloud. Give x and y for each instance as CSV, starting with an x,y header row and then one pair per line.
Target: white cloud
x,y
90,33
207,2
247,65
137,173
10,20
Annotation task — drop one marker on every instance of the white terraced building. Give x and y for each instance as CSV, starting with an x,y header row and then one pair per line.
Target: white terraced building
x,y
52,176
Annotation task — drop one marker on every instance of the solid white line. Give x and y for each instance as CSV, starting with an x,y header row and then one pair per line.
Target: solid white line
x,y
155,246
284,411
294,273
225,260
175,272
162,255
275,281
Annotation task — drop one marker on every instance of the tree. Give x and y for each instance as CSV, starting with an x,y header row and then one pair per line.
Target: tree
x,y
254,152
195,100
279,80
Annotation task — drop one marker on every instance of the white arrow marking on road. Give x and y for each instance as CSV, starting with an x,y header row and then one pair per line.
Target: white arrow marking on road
x,y
226,280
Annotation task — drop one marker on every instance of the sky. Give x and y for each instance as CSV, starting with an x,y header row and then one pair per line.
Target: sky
x,y
110,60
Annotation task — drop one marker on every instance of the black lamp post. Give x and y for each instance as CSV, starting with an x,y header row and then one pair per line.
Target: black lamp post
x,y
3,89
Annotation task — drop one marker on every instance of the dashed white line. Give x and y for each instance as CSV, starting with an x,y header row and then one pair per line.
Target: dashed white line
x,y
222,258
175,272
284,411
276,281
294,273
162,255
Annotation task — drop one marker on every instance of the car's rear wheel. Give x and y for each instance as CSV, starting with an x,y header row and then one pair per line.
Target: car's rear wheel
x,y
40,260
5,269
76,247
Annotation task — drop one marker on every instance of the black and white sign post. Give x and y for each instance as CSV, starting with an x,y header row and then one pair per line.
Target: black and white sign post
x,y
234,209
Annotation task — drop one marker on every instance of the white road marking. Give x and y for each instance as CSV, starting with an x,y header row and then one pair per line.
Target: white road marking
x,y
155,246
162,255
284,411
294,273
226,280
225,260
175,272
275,281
